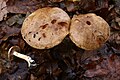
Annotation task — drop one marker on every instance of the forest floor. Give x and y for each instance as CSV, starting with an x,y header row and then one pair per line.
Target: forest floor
x,y
64,61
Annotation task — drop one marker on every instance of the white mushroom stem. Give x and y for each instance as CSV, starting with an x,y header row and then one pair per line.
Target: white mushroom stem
x,y
25,57
22,56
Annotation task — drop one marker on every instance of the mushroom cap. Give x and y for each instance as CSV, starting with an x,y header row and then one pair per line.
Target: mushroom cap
x,y
45,28
89,31
11,50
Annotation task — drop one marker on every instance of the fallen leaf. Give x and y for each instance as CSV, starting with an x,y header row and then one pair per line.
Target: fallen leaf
x,y
115,38
23,6
6,32
15,19
93,5
56,0
108,68
117,2
3,9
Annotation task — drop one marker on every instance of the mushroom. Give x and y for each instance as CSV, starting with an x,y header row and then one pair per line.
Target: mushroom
x,y
89,31
14,51
45,28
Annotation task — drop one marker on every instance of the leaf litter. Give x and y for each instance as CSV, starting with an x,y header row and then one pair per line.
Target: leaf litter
x,y
65,61
3,9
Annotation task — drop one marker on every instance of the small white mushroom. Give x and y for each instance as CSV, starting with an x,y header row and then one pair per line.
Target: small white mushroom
x,y
89,31
14,51
45,28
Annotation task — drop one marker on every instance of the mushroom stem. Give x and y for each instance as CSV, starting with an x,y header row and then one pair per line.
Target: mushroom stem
x,y
25,57
22,56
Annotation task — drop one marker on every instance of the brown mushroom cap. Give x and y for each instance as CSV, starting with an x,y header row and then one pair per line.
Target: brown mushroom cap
x,y
45,28
89,31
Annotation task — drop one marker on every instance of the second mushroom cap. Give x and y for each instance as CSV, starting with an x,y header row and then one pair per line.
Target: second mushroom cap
x,y
45,28
89,31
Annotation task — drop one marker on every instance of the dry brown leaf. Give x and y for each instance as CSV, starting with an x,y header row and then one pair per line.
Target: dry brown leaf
x,y
6,32
3,9
23,6
115,38
56,0
108,68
